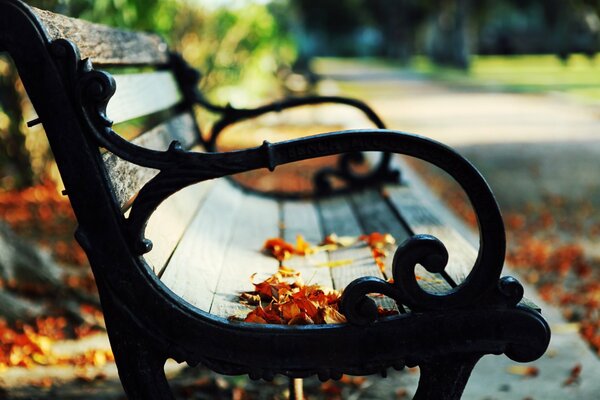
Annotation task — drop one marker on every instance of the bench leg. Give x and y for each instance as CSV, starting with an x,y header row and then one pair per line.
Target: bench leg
x,y
445,379
141,368
296,388
142,374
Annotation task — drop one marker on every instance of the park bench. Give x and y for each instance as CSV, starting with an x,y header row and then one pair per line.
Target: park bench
x,y
172,247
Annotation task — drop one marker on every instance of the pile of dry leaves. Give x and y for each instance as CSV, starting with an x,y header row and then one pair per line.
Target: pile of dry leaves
x,y
284,298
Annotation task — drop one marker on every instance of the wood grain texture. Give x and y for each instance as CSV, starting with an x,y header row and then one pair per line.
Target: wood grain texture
x,y
302,218
337,216
105,45
128,178
168,223
195,267
258,220
142,94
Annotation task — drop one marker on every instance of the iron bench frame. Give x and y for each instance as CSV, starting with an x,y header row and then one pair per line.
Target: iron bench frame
x,y
444,334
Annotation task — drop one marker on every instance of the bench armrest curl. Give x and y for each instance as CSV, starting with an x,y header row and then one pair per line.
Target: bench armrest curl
x,y
231,115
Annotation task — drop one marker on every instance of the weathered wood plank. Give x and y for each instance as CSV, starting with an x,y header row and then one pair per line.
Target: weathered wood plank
x,y
105,45
195,267
142,94
422,219
169,221
375,215
338,217
301,218
257,221
128,178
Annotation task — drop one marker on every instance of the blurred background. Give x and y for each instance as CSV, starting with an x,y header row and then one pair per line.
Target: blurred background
x,y
514,85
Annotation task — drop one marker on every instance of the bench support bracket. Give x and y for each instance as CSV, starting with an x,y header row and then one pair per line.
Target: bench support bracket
x,y
445,379
141,368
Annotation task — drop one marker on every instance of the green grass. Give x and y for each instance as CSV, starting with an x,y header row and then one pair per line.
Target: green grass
x,y
579,77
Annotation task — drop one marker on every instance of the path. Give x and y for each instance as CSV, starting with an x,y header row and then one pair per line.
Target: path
x,y
527,147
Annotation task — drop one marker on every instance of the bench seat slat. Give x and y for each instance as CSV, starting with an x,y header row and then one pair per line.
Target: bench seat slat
x,y
257,220
170,220
128,178
194,269
103,44
338,217
302,218
142,94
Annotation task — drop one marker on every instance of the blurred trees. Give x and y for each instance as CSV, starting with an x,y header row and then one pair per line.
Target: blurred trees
x,y
246,44
237,46
448,31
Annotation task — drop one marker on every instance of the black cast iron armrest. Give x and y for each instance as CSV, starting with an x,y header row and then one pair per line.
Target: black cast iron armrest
x,y
483,288
380,173
231,115
189,78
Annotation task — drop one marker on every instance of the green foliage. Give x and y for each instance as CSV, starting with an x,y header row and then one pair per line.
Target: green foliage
x,y
239,50
579,77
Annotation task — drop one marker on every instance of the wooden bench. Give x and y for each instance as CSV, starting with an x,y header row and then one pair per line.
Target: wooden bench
x,y
172,295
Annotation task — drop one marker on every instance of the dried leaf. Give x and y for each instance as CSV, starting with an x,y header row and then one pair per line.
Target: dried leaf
x,y
523,370
278,248
335,263
339,241
301,319
333,316
302,246
574,375
385,312
378,240
287,272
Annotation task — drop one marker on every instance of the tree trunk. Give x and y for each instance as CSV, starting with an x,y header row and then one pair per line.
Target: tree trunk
x,y
448,39
15,163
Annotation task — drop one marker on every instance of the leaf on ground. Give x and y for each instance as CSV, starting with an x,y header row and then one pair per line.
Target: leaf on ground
x,y
523,370
574,375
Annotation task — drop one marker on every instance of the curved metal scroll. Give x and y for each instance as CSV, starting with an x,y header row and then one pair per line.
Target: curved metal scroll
x,y
179,168
188,79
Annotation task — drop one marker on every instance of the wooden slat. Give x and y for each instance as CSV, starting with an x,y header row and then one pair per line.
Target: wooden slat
x,y
422,219
301,218
194,269
142,94
257,221
169,221
338,217
375,215
105,45
128,178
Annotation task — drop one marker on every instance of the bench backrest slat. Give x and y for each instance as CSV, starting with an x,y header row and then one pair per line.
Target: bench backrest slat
x,y
106,45
127,178
142,94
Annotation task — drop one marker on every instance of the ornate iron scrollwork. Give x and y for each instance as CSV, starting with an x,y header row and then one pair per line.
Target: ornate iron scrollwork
x,y
431,253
